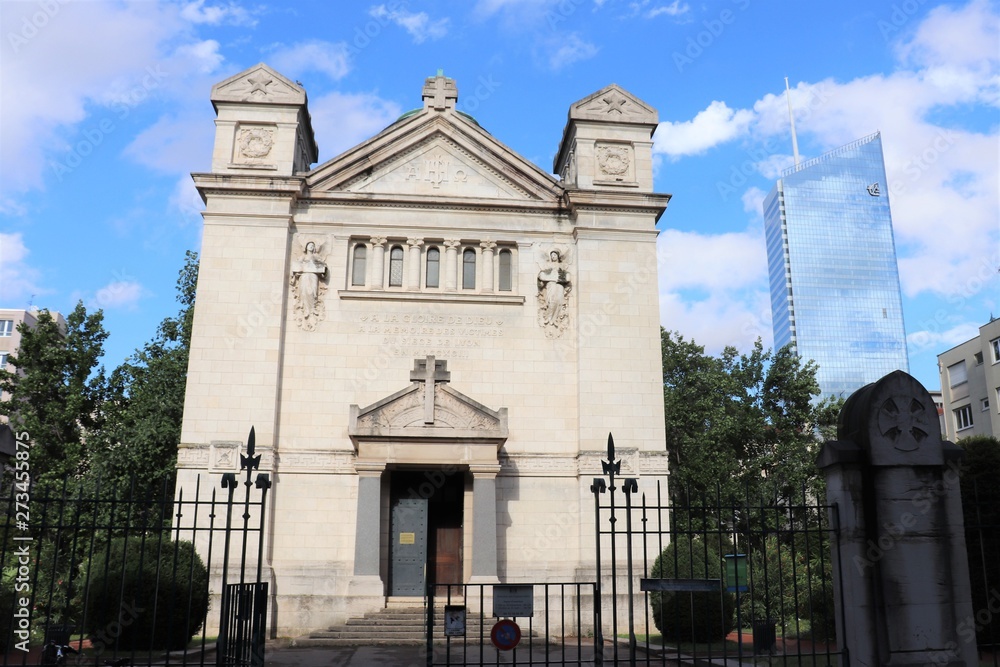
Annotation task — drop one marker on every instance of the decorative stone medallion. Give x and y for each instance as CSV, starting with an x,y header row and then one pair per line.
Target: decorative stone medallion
x,y
614,160
905,426
255,143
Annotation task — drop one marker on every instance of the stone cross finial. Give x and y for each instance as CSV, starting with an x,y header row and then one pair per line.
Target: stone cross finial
x,y
440,92
429,372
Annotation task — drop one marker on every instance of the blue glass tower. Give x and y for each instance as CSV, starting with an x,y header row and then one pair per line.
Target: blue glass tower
x,y
832,267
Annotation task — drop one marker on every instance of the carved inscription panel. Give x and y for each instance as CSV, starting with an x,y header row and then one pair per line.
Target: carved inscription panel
x,y
422,334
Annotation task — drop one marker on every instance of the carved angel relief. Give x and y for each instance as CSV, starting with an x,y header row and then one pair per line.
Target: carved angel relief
x,y
554,288
308,282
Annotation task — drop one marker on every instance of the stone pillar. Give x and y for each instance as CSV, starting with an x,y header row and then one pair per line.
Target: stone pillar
x,y
378,261
413,270
489,248
366,585
450,263
484,524
901,561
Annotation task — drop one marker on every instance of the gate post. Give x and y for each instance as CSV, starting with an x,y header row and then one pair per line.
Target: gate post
x,y
900,562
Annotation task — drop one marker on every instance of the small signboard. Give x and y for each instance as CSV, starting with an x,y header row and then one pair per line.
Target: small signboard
x,y
454,620
407,538
505,635
514,601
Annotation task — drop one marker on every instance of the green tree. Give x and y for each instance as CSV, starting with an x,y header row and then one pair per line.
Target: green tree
x,y
741,424
56,391
146,397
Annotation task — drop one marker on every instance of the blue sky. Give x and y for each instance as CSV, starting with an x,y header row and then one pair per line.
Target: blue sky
x,y
104,112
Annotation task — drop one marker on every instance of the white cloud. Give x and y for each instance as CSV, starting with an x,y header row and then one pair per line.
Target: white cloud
x,y
330,58
713,287
567,49
228,14
176,144
712,126
70,62
944,179
118,294
711,261
419,25
954,37
932,339
204,55
342,120
676,9
18,279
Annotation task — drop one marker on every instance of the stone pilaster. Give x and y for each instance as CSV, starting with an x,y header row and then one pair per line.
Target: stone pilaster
x,y
413,264
484,524
450,264
366,581
893,487
489,249
378,261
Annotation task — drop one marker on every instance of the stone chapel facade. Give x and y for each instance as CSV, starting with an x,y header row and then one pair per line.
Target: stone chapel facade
x,y
432,337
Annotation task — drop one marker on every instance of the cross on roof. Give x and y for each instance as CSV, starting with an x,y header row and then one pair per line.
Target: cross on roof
x,y
440,92
429,371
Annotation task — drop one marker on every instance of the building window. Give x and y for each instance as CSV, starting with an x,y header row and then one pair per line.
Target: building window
x,y
505,270
3,361
963,418
984,404
979,358
469,269
396,266
359,264
995,346
433,278
957,374
6,327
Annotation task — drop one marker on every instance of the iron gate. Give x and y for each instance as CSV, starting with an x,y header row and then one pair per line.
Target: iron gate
x,y
113,574
711,580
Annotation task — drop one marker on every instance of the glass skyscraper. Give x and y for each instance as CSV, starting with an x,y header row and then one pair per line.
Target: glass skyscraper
x,y
832,267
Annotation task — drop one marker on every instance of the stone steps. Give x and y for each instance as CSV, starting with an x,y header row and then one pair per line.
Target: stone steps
x,y
395,626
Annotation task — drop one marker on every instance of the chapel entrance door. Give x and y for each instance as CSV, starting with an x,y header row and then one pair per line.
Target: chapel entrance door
x,y
442,494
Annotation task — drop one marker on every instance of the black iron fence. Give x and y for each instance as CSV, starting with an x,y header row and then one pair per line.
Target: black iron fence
x,y
981,507
97,574
711,578
512,624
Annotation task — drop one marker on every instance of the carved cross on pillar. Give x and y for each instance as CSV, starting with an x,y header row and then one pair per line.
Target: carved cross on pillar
x,y
429,372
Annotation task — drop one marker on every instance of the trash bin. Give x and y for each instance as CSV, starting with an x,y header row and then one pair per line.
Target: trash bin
x,y
59,633
764,636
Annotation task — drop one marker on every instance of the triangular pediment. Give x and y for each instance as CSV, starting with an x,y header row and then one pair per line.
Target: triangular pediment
x,y
260,85
436,155
407,414
614,104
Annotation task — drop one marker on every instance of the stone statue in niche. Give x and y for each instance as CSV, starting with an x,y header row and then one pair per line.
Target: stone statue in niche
x,y
308,286
554,288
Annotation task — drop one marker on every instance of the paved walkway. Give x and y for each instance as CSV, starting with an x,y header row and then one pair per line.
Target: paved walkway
x,y
349,656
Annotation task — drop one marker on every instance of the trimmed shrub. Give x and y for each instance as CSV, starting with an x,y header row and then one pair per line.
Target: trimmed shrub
x,y
687,617
145,595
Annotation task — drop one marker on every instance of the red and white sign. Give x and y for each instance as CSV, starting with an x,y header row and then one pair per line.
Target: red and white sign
x,y
505,635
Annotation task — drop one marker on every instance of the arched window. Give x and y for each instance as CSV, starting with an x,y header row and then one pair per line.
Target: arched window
x,y
359,264
433,278
396,266
505,270
469,269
